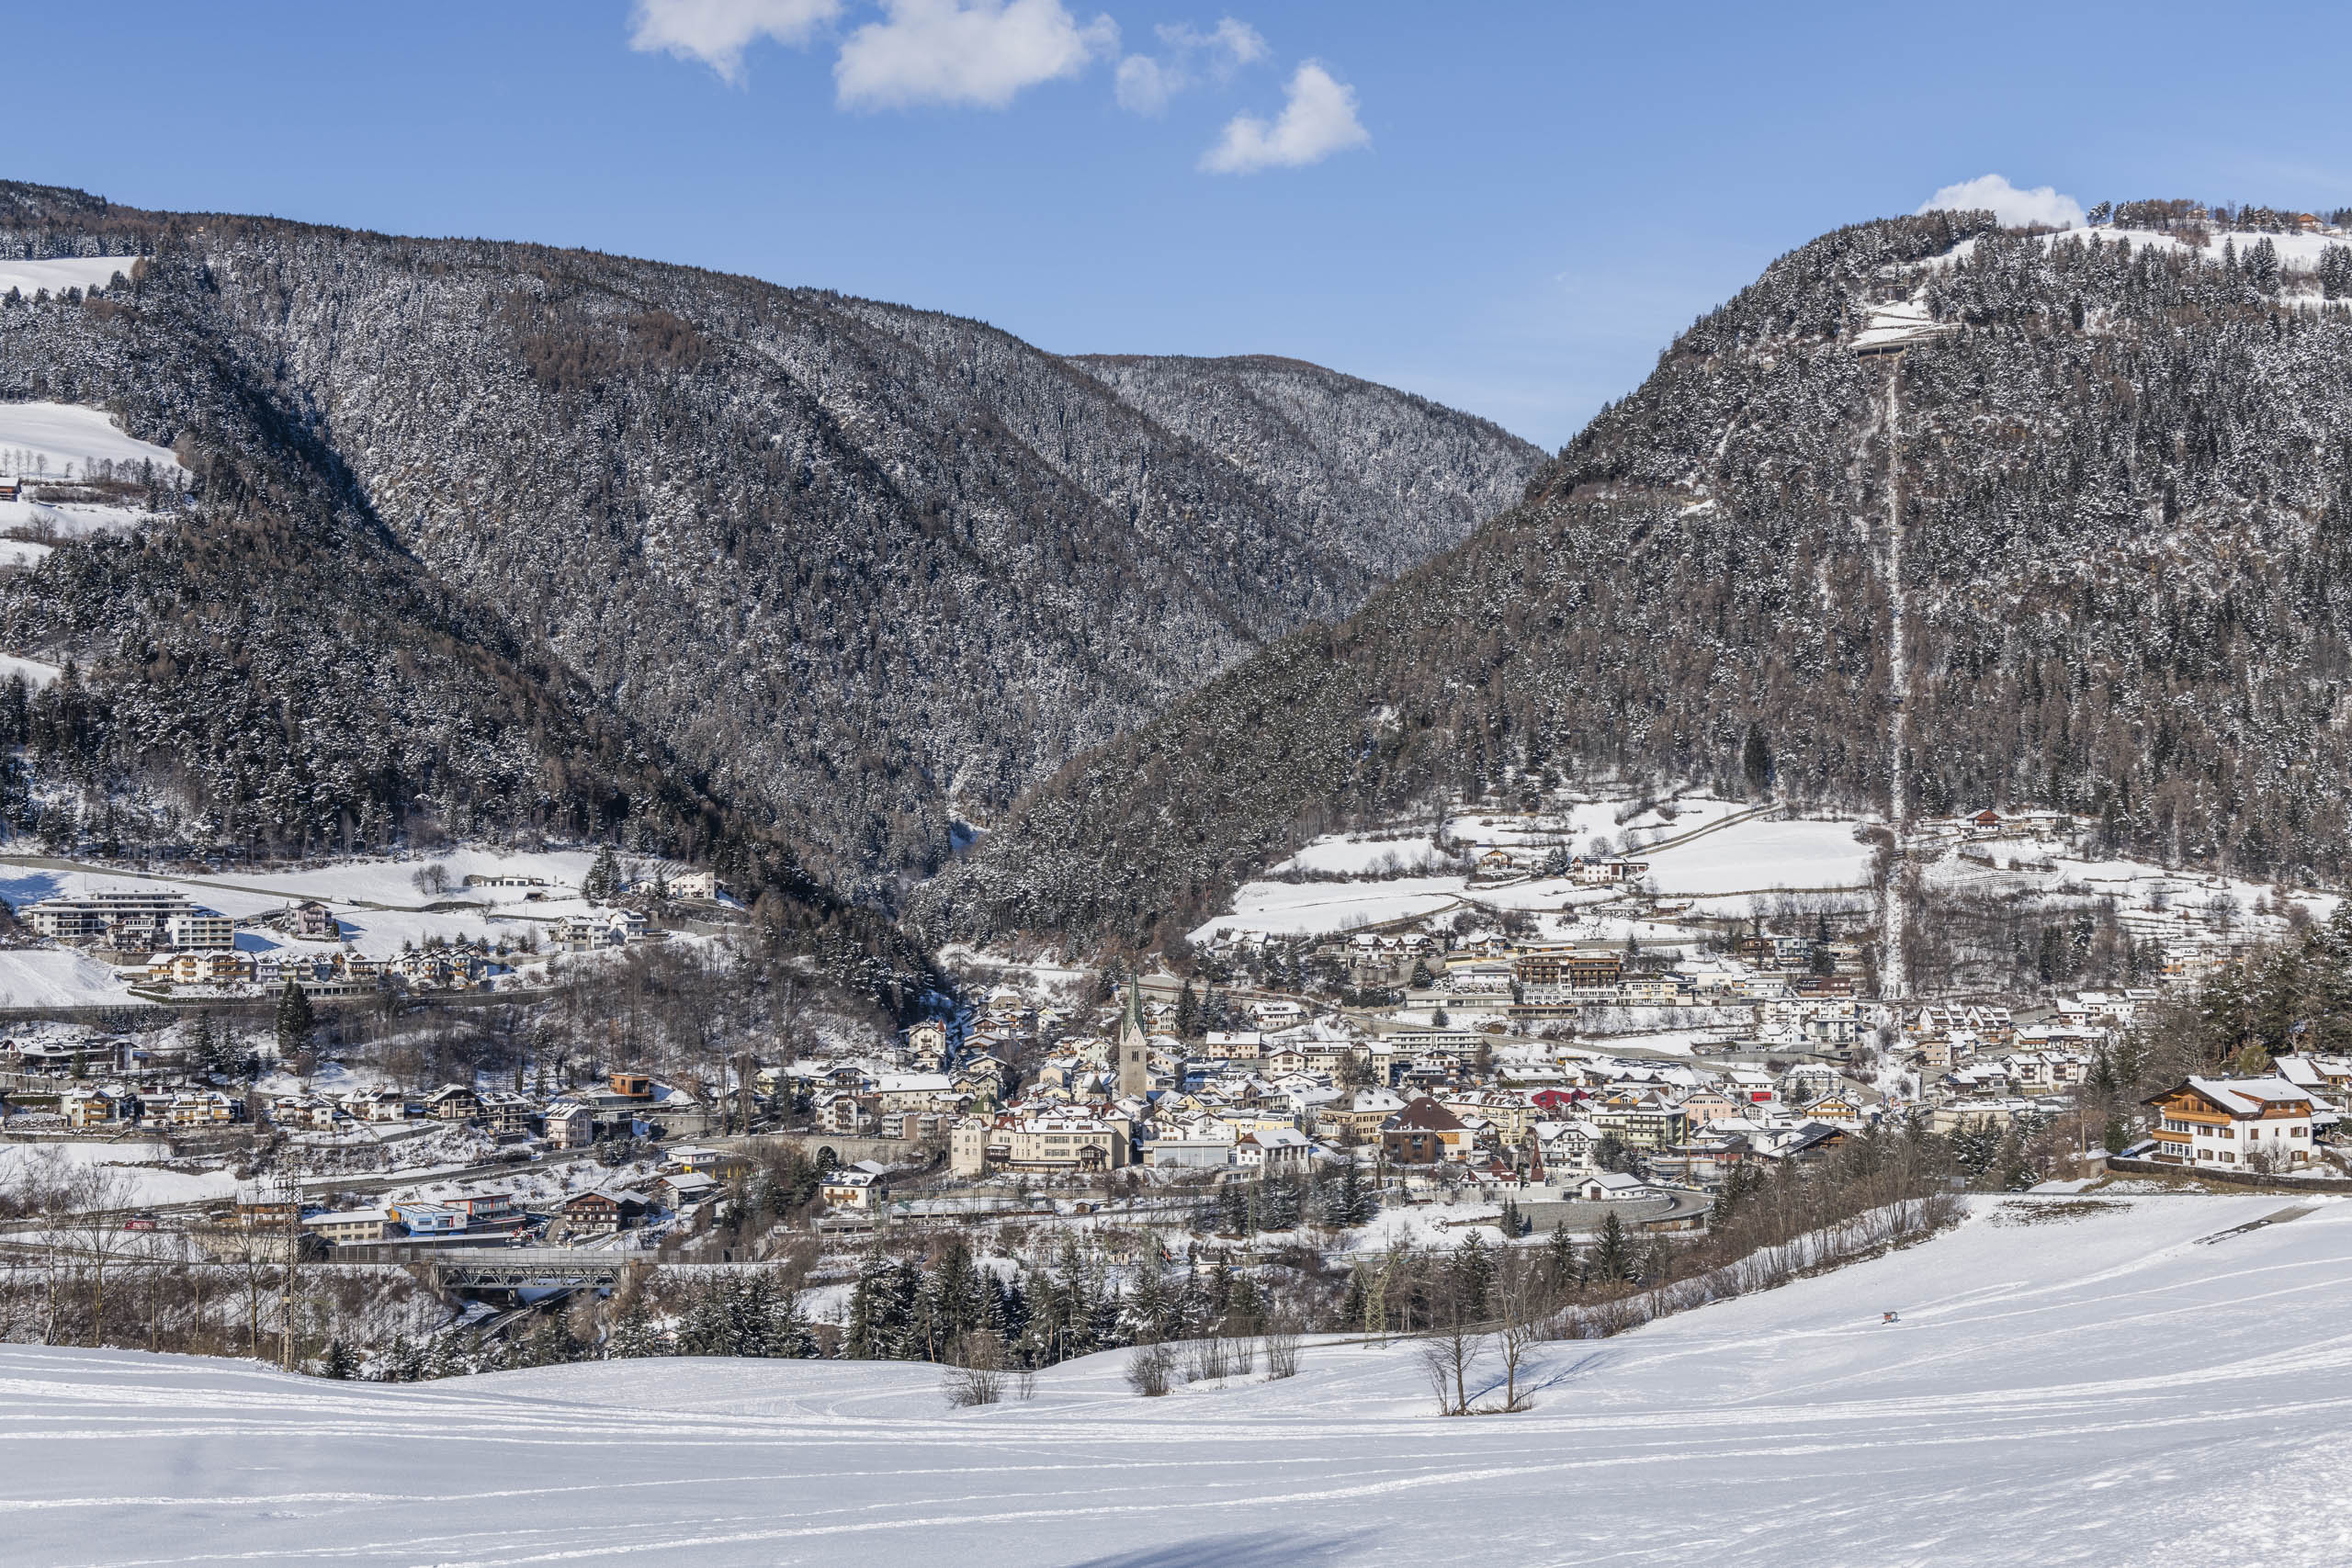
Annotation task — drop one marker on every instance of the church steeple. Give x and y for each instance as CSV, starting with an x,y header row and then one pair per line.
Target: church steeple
x,y
1135,1066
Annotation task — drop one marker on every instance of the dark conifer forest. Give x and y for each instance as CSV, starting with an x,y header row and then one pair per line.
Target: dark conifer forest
x,y
502,542
2124,480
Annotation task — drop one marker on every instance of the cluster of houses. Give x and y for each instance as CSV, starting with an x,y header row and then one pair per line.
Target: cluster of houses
x,y
570,1121
321,976
686,1177
1817,1065
1273,1100
109,1107
162,942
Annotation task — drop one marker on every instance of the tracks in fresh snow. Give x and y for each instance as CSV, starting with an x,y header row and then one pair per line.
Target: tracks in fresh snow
x,y
2092,1389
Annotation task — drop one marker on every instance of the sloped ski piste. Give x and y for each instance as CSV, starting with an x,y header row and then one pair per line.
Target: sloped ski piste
x,y
2067,1379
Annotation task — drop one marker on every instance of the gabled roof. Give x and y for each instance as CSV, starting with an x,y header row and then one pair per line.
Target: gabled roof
x,y
2239,1097
1426,1115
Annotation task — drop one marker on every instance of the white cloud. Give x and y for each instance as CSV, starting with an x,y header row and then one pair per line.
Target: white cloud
x,y
1318,120
717,31
2016,209
1146,82
965,52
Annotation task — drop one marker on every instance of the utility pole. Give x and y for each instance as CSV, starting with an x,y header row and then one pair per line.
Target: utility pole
x,y
291,1201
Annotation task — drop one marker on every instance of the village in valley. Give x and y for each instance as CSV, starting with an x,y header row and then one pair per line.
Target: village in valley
x,y
1582,1025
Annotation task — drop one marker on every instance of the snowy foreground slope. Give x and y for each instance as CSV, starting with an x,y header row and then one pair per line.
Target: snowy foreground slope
x,y
2096,1390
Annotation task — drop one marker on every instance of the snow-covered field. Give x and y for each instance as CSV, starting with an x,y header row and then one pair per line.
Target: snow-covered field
x,y
63,439
46,977
1308,908
36,674
1350,853
58,273
2299,251
2095,1390
131,1183
378,902
1700,860
1762,856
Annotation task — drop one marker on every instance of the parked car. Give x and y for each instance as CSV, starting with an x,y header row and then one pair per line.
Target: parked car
x,y
142,1222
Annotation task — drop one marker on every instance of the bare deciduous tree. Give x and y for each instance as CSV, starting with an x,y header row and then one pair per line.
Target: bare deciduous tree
x,y
975,1375
1149,1369
1281,1347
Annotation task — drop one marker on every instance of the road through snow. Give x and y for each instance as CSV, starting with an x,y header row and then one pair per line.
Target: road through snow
x,y
2094,1390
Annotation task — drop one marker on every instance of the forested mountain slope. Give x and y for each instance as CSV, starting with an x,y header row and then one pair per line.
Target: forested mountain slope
x,y
263,668
1389,477
842,567
2124,481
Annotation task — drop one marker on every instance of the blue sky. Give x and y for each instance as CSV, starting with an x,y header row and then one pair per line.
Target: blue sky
x,y
1508,206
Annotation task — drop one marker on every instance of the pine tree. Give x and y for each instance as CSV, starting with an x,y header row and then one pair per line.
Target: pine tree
x,y
1975,1146
1349,1200
1357,1302
1471,1272
868,1332
2115,1133
448,1357
636,1334
295,1020
1756,760
1560,1272
405,1361
603,883
1613,1256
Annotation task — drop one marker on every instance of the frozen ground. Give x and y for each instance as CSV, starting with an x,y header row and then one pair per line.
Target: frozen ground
x,y
130,1183
2095,1390
36,674
42,977
2299,251
1735,860
1367,855
1764,856
59,274
62,439
377,901
1308,908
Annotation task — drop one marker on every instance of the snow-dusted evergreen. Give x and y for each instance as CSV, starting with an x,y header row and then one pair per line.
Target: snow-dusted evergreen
x,y
2125,478
858,569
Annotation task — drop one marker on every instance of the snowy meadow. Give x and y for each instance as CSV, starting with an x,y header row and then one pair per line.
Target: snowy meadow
x,y
2065,1380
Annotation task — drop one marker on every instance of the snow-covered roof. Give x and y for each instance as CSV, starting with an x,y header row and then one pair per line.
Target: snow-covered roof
x,y
2246,1096
915,1083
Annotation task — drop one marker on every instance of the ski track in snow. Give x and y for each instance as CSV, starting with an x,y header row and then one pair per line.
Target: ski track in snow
x,y
2095,1390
